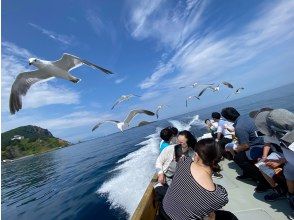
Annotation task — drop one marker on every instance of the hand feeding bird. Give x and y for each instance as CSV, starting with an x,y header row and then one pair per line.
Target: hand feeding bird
x,y
122,125
46,70
124,98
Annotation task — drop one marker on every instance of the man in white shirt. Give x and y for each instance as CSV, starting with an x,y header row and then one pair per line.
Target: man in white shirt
x,y
225,132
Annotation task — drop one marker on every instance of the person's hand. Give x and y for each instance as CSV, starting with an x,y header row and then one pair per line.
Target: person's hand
x,y
272,163
210,216
161,178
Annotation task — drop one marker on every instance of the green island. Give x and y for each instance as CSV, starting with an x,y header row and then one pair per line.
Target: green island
x,y
28,140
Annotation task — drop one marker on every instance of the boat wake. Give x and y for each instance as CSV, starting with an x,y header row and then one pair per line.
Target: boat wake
x,y
126,188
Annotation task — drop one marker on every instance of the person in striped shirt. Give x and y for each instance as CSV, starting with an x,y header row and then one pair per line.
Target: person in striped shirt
x,y
192,193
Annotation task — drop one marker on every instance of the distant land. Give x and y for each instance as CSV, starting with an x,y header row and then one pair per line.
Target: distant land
x,y
28,140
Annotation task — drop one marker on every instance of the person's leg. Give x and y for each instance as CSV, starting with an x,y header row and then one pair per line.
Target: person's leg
x,y
250,170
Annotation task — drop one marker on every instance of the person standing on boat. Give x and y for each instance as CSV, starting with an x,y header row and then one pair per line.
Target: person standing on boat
x,y
249,147
166,162
192,193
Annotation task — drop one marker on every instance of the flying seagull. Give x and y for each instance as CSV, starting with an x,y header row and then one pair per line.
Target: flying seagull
x,y
142,123
158,108
196,84
229,85
191,97
124,98
236,92
122,125
46,70
213,88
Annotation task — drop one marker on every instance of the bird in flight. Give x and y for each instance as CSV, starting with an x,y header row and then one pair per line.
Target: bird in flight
x,y
122,125
236,92
191,97
124,98
46,70
158,108
196,84
229,85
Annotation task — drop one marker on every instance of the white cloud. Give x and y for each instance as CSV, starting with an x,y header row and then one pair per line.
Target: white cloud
x,y
208,57
61,38
95,22
169,23
120,80
14,60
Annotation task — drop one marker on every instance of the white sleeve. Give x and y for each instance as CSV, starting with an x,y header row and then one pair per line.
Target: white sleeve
x,y
220,128
162,158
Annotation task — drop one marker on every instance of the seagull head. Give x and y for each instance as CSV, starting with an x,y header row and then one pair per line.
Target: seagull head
x,y
32,61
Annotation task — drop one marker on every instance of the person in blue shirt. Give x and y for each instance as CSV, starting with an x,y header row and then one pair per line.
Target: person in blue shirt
x,y
166,135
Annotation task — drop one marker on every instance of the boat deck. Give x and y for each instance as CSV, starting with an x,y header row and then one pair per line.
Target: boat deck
x,y
245,203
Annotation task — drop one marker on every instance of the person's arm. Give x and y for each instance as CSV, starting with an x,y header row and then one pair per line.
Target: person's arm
x,y
275,163
161,160
243,140
229,128
265,151
219,131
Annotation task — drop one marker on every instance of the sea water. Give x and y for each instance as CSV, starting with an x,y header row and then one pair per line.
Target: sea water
x,y
105,178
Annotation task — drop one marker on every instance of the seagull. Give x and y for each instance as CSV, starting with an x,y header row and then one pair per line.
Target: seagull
x,y
122,125
213,88
46,70
191,97
196,84
158,108
229,85
124,98
236,92
142,123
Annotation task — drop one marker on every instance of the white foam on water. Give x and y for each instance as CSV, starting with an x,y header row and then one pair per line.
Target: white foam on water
x,y
187,126
135,171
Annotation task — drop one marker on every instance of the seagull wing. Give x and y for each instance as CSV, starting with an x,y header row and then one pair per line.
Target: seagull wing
x,y
69,62
21,85
157,110
133,113
117,102
229,85
202,91
142,123
97,125
239,89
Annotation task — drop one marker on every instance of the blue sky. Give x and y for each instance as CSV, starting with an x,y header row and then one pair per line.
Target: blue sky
x,y
153,47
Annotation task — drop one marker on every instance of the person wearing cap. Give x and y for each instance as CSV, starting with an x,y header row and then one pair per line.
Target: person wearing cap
x,y
249,147
279,124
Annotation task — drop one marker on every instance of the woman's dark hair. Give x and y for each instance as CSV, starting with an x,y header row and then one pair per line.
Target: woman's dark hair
x,y
166,134
230,113
208,150
206,120
191,141
215,115
174,130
